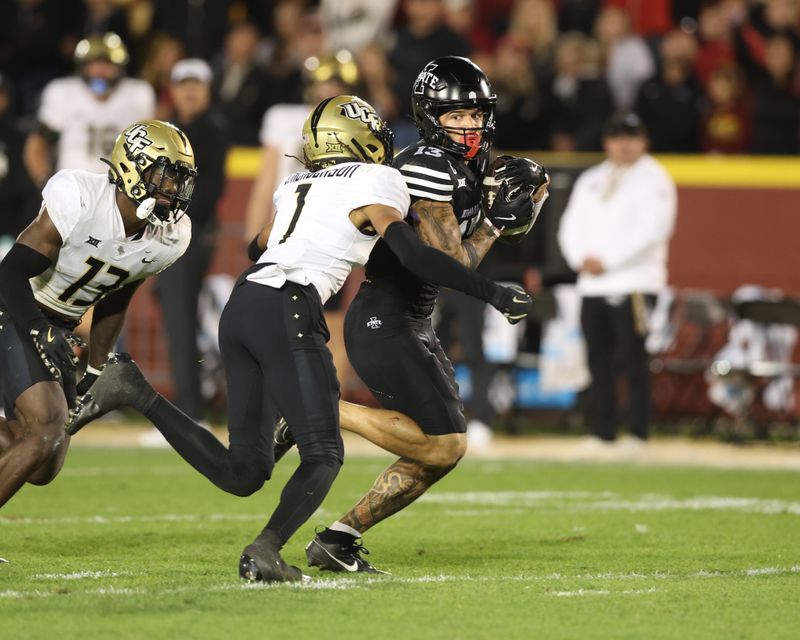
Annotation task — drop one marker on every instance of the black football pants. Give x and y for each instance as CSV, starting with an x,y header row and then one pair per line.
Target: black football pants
x,y
273,344
615,333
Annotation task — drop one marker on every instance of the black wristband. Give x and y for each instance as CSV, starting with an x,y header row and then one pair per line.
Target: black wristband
x,y
20,265
253,250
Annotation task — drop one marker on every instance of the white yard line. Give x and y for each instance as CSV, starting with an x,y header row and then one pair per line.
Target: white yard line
x,y
162,470
481,504
364,582
167,517
80,575
609,501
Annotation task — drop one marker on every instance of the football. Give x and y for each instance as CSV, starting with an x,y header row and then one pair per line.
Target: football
x,y
518,174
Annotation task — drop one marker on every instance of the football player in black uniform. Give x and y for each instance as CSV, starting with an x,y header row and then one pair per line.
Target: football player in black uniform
x,y
388,332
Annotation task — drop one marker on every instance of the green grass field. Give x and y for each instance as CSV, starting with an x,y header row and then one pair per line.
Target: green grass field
x,y
135,544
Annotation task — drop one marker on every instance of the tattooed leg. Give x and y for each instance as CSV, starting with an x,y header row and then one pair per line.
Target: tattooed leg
x,y
398,486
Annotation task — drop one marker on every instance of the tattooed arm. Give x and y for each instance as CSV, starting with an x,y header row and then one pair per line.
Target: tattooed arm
x,y
437,227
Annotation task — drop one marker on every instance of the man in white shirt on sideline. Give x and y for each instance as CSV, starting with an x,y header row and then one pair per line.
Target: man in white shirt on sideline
x,y
615,233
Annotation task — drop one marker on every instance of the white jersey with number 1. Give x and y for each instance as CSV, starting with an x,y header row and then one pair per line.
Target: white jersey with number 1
x,y
313,240
96,257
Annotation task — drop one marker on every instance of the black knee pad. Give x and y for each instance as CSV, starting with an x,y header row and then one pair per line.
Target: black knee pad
x,y
250,470
325,449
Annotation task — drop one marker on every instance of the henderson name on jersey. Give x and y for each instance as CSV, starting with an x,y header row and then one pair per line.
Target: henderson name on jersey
x,y
96,257
431,173
313,240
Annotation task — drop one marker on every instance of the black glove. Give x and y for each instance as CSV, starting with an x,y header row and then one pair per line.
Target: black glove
x,y
54,345
519,173
511,212
86,382
513,302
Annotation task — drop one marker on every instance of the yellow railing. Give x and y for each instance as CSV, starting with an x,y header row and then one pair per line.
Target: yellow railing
x,y
767,172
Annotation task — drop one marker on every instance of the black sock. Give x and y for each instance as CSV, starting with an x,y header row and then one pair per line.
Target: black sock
x,y
200,448
329,536
301,496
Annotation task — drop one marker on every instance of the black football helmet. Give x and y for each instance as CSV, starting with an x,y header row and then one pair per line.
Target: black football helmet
x,y
449,83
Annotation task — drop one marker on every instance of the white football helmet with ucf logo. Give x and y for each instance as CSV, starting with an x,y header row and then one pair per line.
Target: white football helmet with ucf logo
x,y
153,164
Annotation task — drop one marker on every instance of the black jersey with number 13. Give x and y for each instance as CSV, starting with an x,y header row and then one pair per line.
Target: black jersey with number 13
x,y
431,173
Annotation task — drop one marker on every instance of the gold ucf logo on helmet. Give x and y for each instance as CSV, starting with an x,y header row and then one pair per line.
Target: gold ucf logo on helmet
x,y
136,138
360,111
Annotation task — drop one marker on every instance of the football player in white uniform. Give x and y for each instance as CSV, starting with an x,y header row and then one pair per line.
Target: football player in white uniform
x,y
273,333
80,116
96,238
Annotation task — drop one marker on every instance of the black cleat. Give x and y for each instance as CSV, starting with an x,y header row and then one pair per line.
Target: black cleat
x,y
261,562
120,384
283,440
339,557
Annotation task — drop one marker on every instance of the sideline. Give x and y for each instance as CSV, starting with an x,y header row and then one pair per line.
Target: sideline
x,y
658,452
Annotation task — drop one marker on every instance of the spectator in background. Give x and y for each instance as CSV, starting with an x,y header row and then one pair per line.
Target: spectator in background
x,y
615,233
201,25
532,26
628,61
581,97
81,116
240,87
463,17
178,288
523,109
18,196
103,16
354,24
163,53
298,36
669,103
37,39
726,121
646,17
715,29
776,108
577,15
425,36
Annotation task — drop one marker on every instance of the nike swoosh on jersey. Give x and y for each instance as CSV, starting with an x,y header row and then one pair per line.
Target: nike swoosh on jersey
x,y
511,218
50,336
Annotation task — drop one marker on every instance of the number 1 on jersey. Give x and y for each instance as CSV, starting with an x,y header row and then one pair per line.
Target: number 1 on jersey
x,y
302,192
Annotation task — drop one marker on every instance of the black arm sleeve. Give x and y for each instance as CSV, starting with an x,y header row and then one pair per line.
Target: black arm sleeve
x,y
20,265
436,267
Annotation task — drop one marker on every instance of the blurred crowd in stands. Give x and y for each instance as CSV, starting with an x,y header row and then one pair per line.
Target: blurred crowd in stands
x,y
705,75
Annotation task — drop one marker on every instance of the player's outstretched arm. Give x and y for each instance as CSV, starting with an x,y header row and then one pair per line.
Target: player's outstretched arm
x,y
435,266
